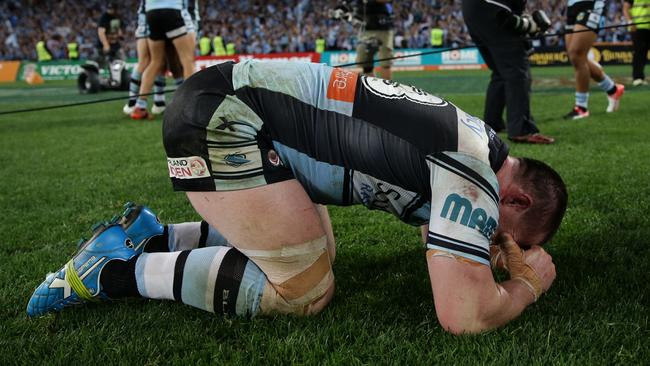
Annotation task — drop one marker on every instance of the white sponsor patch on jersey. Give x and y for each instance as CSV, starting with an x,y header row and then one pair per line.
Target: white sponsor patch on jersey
x,y
191,167
472,137
394,90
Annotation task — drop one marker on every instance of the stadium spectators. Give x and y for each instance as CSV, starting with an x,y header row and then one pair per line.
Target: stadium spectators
x,y
254,26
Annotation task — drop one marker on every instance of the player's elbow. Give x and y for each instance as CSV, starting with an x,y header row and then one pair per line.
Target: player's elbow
x,y
461,317
458,325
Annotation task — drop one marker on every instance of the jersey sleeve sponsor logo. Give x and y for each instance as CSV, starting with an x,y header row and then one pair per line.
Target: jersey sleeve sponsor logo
x,y
393,90
191,167
342,85
473,218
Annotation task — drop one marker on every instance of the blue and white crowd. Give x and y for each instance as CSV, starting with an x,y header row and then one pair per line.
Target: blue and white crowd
x,y
254,26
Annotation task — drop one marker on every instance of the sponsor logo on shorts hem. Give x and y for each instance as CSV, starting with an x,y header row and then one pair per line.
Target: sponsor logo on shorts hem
x,y
191,167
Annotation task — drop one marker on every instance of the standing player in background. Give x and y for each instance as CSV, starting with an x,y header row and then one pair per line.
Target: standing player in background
x,y
168,20
638,11
585,17
173,64
192,16
376,36
141,35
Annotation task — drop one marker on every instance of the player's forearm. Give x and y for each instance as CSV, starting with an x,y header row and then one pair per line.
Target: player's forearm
x,y
467,298
491,307
511,298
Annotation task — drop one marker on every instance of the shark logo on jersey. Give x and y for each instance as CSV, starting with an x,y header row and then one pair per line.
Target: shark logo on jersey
x,y
474,218
236,159
394,90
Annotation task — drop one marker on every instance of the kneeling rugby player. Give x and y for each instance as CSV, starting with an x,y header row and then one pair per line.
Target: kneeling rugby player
x,y
257,147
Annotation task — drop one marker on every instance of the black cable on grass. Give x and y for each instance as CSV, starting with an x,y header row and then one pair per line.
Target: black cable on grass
x,y
96,101
86,102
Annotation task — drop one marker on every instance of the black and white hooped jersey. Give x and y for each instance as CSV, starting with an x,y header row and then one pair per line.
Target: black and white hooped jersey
x,y
352,139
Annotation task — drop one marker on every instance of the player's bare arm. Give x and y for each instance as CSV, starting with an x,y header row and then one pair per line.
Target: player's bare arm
x,y
467,298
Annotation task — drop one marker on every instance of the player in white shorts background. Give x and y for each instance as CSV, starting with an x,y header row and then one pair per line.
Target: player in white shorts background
x,y
191,18
258,147
167,20
586,17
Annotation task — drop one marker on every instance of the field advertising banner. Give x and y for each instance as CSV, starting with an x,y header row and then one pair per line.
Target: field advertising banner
x,y
69,70
417,59
60,69
407,59
603,53
9,71
206,61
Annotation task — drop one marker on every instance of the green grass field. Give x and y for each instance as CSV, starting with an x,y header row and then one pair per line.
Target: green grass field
x,y
65,169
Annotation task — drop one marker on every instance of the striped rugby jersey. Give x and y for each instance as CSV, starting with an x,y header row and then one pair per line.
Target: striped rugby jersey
x,y
352,139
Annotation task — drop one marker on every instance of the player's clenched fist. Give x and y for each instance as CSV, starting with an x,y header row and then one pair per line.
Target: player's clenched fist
x,y
534,267
542,264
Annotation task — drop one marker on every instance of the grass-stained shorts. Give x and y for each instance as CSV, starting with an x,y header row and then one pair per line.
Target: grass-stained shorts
x,y
214,141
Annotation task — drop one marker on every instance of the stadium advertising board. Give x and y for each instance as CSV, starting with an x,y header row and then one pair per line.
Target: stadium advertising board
x,y
59,70
9,71
603,53
419,59
69,70
206,61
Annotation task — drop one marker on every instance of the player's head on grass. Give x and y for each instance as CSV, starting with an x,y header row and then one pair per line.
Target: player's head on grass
x,y
533,199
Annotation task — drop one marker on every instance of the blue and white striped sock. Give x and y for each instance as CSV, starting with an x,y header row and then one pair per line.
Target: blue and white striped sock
x,y
607,85
582,100
220,280
192,235
141,103
134,86
159,90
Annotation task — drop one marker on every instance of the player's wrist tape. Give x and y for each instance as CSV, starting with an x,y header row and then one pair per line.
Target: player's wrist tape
x,y
513,258
495,255
530,286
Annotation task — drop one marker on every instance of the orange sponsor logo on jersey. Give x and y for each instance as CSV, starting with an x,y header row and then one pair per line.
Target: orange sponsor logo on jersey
x,y
342,85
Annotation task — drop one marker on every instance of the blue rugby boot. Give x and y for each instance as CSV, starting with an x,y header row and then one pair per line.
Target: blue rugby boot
x,y
140,224
78,281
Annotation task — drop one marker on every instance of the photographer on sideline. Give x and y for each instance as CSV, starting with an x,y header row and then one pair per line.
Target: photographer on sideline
x,y
376,35
500,30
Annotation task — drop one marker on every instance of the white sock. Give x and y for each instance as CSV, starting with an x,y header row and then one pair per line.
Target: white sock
x,y
582,100
607,84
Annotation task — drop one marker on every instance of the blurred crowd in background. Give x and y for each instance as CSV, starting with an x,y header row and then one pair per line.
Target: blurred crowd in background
x,y
254,26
